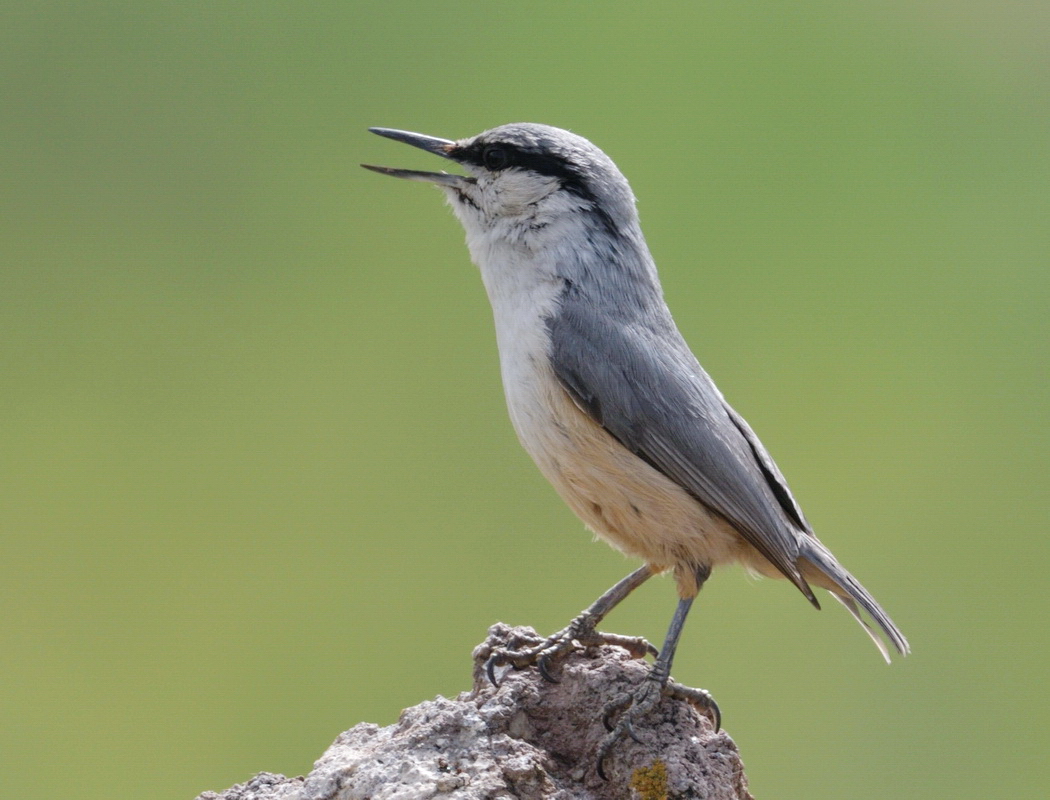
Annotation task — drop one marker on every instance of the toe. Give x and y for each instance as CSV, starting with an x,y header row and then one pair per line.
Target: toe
x,y
613,708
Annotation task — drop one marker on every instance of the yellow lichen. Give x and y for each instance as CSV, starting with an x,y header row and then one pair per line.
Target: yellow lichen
x,y
650,783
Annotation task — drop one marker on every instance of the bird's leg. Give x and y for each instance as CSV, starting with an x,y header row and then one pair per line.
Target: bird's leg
x,y
578,634
657,684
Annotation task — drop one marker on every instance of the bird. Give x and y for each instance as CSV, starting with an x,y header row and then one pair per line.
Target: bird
x,y
610,402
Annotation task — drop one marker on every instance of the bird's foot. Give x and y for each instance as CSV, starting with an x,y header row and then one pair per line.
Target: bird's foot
x,y
544,653
631,708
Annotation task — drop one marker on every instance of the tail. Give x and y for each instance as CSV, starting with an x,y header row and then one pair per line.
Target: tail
x,y
821,568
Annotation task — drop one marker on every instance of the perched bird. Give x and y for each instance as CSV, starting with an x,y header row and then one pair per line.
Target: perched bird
x,y
610,402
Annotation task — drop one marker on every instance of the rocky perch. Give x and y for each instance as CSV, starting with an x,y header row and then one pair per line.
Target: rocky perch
x,y
527,739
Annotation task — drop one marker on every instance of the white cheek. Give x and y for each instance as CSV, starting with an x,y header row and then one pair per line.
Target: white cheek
x,y
514,193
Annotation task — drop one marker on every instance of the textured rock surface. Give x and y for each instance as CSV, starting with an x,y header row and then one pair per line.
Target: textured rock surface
x,y
528,739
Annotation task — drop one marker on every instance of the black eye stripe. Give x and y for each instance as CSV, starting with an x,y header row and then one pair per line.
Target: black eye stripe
x,y
513,156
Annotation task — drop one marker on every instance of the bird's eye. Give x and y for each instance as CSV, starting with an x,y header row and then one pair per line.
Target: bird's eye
x,y
495,157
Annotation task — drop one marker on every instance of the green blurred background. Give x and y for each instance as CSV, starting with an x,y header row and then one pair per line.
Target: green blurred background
x,y
257,483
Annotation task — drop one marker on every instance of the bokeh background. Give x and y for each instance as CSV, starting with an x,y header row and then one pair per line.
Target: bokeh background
x,y
257,483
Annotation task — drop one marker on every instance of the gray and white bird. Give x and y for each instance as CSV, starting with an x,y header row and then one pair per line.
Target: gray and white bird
x,y
608,399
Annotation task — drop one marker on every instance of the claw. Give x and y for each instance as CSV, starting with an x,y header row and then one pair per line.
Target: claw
x,y
601,766
543,664
699,699
490,670
623,726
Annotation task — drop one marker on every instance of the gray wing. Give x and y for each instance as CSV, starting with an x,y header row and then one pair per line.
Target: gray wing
x,y
647,390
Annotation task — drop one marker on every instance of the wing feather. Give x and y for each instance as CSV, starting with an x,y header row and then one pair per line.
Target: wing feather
x,y
647,390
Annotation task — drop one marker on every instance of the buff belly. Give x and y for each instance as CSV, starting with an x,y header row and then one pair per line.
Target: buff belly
x,y
620,497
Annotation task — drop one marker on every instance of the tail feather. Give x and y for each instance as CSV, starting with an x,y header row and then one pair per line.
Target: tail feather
x,y
854,609
827,573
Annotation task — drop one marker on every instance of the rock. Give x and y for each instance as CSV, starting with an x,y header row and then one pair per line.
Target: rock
x,y
527,739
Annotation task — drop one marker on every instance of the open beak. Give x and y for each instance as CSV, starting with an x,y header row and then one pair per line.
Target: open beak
x,y
432,144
